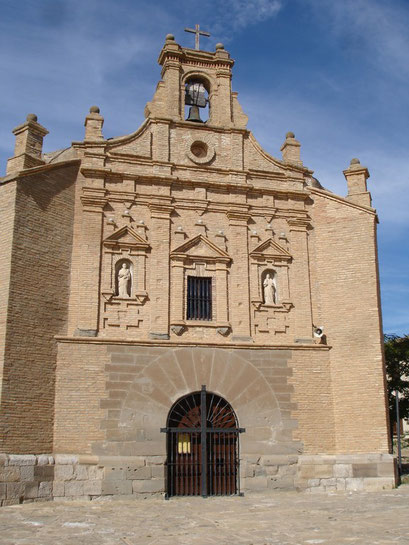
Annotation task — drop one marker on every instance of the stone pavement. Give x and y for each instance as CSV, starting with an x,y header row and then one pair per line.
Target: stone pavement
x,y
282,518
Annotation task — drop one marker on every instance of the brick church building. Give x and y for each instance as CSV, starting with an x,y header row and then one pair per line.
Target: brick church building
x,y
181,312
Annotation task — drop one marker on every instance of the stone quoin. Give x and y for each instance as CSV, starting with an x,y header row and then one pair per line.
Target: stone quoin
x,y
136,270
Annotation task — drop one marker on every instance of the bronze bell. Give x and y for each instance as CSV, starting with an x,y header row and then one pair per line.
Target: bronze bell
x,y
194,114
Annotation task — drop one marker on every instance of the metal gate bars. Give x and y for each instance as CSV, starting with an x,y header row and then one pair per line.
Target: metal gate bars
x,y
202,447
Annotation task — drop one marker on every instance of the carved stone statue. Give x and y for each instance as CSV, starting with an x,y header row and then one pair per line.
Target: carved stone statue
x,y
269,290
124,277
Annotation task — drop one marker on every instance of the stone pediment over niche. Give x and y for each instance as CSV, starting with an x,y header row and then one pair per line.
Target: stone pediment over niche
x,y
270,249
126,237
200,247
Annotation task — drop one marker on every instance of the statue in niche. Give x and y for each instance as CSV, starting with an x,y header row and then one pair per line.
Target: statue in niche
x,y
124,278
269,290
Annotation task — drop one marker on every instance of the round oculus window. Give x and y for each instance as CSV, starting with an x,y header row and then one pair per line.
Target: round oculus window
x,y
200,152
199,149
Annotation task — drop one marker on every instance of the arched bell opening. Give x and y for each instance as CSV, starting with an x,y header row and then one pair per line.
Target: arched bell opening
x,y
197,103
202,447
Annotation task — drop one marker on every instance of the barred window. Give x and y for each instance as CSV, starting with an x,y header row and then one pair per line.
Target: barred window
x,y
199,298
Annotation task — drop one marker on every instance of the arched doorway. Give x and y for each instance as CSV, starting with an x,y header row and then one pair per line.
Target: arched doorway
x,y
202,447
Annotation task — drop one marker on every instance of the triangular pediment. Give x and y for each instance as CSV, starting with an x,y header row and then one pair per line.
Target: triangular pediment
x,y
126,236
200,247
270,249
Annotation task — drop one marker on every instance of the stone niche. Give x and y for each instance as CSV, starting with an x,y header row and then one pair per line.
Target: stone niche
x,y
124,269
270,289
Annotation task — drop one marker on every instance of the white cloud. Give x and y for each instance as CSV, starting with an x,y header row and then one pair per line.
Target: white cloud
x,y
228,17
374,28
243,13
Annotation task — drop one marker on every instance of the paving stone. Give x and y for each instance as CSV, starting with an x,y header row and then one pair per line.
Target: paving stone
x,y
269,518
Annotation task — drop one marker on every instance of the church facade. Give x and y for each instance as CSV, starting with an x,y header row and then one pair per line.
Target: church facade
x,y
183,313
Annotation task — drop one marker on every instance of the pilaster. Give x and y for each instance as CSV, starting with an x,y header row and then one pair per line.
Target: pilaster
x,y
239,285
300,279
159,276
160,144
93,202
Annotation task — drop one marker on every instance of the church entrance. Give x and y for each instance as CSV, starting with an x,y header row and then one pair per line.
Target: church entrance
x,y
202,447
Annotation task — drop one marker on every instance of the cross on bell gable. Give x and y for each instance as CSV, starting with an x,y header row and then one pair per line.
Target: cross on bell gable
x,y
197,33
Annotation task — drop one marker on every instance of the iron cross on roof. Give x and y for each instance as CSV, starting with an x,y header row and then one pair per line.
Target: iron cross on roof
x,y
198,33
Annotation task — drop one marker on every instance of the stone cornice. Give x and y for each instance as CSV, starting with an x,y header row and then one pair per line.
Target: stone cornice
x,y
173,52
95,172
203,205
161,208
94,199
160,342
223,172
38,170
356,170
342,200
299,223
239,215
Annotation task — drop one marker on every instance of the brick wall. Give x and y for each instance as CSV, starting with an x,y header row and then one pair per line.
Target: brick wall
x,y
39,280
347,279
7,212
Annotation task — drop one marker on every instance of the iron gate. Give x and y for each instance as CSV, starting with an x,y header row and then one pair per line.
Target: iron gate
x,y
202,447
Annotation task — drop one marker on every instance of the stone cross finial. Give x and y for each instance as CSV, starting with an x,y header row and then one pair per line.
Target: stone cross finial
x,y
197,33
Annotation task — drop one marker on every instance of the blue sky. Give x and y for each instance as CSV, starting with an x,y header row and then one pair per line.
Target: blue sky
x,y
335,73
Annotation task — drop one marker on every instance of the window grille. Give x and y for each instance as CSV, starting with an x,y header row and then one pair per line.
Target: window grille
x,y
199,298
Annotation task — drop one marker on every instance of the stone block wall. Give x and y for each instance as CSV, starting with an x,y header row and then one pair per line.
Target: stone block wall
x,y
273,472
45,477
346,472
25,478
